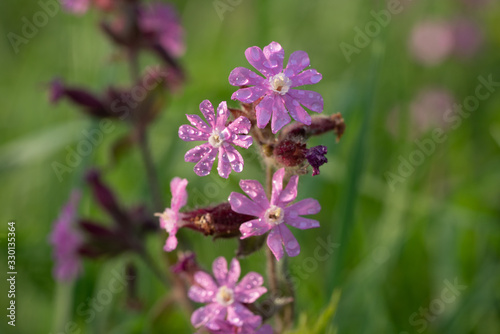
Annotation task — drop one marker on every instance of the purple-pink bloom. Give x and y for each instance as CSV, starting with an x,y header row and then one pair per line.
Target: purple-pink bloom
x,y
225,296
170,219
76,6
220,140
279,98
273,215
431,42
160,21
67,241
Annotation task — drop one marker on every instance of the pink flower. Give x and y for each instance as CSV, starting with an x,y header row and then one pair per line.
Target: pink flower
x,y
160,21
66,242
171,217
225,298
279,97
78,7
468,38
220,140
432,42
273,215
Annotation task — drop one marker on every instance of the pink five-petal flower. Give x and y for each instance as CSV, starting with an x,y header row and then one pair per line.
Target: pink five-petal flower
x,y
275,214
279,98
219,140
224,296
171,217
67,241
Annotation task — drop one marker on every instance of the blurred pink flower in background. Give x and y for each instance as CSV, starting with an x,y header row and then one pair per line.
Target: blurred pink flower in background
x,y
431,42
468,38
427,110
66,241
476,3
161,22
76,6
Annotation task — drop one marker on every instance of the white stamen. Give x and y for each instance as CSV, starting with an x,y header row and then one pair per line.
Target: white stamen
x,y
225,296
280,83
215,139
274,215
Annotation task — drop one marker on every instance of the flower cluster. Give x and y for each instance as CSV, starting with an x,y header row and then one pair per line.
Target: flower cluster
x,y
264,119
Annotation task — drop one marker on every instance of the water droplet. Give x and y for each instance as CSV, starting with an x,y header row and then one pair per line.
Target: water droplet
x,y
254,53
316,78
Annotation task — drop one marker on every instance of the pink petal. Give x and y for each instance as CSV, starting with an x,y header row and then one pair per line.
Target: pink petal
x,y
257,59
188,133
275,55
204,166
290,192
256,192
195,154
301,222
298,61
200,295
237,314
171,242
308,98
219,268
234,273
224,167
197,122
179,194
241,125
306,206
277,185
295,109
264,111
251,295
249,281
274,243
222,116
207,109
235,158
266,329
292,247
241,76
280,115
242,141
205,314
309,77
250,94
205,281
241,204
253,227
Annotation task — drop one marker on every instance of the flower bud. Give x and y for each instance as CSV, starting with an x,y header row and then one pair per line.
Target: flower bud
x,y
219,221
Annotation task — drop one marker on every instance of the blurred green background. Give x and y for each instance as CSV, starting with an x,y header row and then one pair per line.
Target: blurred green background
x,y
397,248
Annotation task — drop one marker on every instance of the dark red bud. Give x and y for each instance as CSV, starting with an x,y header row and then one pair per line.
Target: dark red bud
x,y
319,125
219,221
290,153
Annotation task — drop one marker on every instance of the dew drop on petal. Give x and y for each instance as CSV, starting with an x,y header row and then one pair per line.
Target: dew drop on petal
x,y
316,78
254,53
